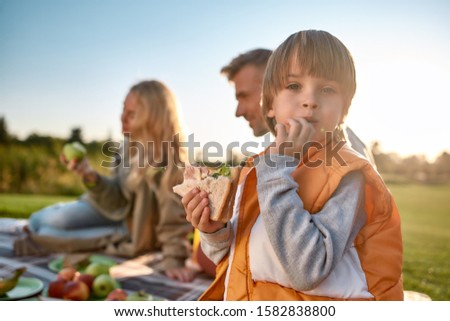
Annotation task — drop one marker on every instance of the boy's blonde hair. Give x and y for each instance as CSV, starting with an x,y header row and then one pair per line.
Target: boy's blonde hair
x,y
318,54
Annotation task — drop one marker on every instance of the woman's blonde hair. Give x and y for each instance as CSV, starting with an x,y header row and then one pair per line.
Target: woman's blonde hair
x,y
318,54
157,128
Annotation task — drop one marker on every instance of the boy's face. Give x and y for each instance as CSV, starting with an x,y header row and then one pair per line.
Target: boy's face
x,y
319,101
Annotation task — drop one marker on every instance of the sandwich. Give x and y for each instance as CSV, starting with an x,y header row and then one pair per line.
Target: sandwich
x,y
220,184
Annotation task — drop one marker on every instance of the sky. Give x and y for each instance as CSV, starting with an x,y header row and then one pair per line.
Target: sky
x,y
66,63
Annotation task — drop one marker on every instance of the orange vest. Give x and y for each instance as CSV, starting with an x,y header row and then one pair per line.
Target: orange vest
x,y
378,244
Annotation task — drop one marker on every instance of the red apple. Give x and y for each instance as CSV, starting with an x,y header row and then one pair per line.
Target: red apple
x,y
67,274
76,291
117,295
56,288
88,279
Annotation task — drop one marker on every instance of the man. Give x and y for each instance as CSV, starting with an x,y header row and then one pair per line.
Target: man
x,y
246,72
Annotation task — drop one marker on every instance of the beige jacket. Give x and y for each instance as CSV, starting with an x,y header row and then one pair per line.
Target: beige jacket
x,y
155,220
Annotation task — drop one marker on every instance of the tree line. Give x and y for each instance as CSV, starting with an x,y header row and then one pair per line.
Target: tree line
x,y
32,165
412,169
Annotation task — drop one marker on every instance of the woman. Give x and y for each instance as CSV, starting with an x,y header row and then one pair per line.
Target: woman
x,y
134,211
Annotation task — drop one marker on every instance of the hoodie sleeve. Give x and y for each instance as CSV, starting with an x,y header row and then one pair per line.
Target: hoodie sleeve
x,y
216,245
308,246
110,198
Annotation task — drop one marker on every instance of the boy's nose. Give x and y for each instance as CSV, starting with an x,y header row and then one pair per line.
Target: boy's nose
x,y
309,100
309,104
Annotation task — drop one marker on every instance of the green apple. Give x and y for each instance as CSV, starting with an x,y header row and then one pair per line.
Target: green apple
x,y
74,151
95,269
139,296
103,285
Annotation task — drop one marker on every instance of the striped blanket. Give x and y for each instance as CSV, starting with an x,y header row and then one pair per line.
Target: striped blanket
x,y
133,275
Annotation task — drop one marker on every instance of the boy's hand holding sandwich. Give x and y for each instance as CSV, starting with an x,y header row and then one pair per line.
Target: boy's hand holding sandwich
x,y
198,212
208,196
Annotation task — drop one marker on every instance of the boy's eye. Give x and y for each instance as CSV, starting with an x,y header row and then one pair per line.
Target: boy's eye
x,y
328,90
293,86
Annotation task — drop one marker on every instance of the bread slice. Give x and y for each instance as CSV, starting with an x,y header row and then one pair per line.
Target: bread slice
x,y
221,190
228,207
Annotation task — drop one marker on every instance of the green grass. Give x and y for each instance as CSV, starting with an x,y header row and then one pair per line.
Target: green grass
x,y
21,206
425,213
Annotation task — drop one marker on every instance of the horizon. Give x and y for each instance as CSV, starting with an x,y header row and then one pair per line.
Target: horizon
x,y
245,147
70,65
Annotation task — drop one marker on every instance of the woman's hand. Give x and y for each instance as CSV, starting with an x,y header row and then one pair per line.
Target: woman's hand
x,y
293,137
82,168
183,274
198,212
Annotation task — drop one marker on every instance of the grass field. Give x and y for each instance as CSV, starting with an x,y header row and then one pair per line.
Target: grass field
x,y
425,212
21,206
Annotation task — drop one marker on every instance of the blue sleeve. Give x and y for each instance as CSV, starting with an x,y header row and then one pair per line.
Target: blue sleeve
x,y
308,246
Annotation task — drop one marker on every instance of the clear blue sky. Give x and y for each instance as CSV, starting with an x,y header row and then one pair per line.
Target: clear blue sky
x,y
66,64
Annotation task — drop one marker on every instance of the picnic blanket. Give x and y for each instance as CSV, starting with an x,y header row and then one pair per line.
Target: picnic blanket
x,y
134,275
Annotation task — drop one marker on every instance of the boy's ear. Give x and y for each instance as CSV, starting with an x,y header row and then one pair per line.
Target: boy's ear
x,y
270,113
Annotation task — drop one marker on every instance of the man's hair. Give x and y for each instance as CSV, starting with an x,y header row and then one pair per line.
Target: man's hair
x,y
255,57
318,54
